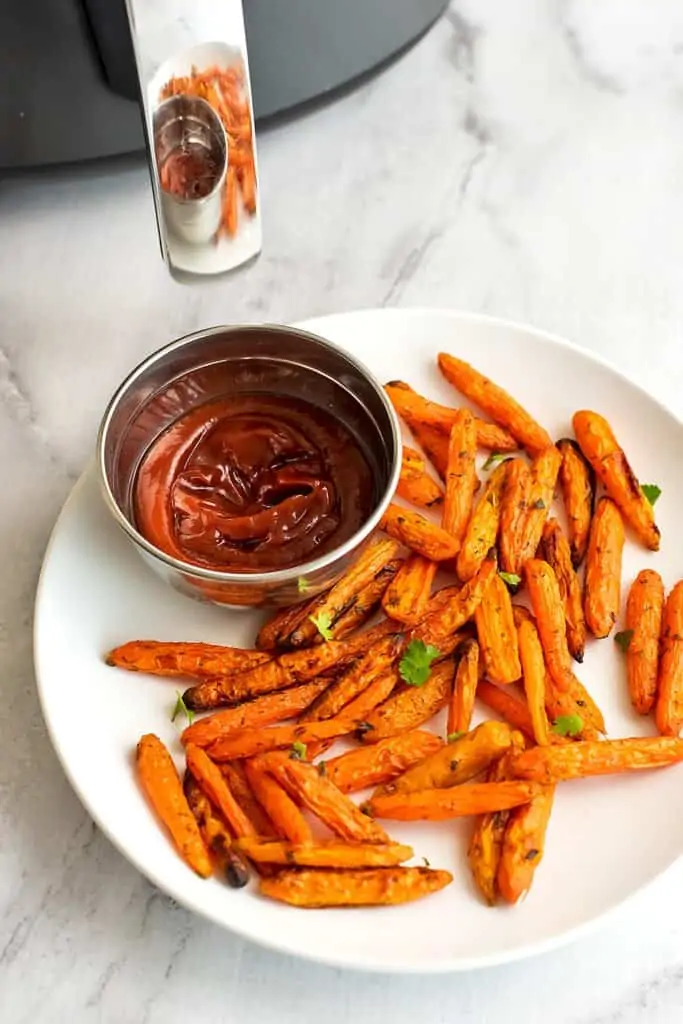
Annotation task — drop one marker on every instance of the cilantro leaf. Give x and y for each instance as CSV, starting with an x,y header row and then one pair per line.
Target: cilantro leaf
x,y
323,623
298,752
453,736
651,492
415,666
568,725
511,578
302,585
623,639
181,708
493,460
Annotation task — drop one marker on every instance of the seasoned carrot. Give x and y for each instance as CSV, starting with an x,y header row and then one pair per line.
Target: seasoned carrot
x,y
461,475
575,700
433,443
669,706
461,704
276,674
406,597
603,757
161,783
328,607
544,470
249,742
412,407
577,482
266,710
514,505
418,533
523,845
363,606
328,854
486,843
371,766
230,202
455,802
510,707
556,552
234,773
482,528
457,762
534,673
215,834
415,485
546,602
212,781
279,625
410,707
601,448
359,887
497,634
287,819
495,402
602,598
379,690
322,798
377,661
644,609
199,661
445,620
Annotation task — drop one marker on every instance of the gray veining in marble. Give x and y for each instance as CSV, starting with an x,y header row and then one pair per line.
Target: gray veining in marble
x,y
524,159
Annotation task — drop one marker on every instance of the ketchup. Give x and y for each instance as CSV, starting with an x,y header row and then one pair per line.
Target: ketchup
x,y
253,482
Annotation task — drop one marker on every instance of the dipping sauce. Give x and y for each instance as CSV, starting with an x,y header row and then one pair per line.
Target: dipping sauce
x,y
252,483
189,172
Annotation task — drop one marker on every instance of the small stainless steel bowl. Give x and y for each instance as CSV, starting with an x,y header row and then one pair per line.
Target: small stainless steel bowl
x,y
230,360
182,123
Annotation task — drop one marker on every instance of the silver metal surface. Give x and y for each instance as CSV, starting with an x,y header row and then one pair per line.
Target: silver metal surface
x,y
231,360
182,124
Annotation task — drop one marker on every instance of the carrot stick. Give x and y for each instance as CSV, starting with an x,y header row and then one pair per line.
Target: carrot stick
x,y
482,528
461,704
201,661
249,742
514,505
602,598
556,552
406,597
161,783
215,834
577,481
509,707
418,533
669,706
288,820
234,773
376,662
410,707
370,766
497,635
445,620
546,602
330,854
523,844
461,475
413,407
355,887
533,670
415,485
440,804
544,470
213,783
604,757
644,610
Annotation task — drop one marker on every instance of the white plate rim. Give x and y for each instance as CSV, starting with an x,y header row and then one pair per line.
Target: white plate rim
x,y
241,928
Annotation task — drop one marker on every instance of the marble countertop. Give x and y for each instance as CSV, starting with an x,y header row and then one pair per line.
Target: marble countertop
x,y
524,160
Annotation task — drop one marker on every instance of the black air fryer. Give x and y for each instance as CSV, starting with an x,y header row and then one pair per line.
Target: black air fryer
x,y
68,84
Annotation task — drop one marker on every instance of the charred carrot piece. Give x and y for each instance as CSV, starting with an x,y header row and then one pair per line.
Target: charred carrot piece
x,y
161,783
328,608
371,766
534,672
288,820
215,834
234,773
575,700
546,602
455,802
359,887
495,402
669,706
601,448
461,704
415,485
544,471
514,506
250,742
556,552
329,854
510,707
605,757
211,780
406,597
413,407
482,528
378,660
497,635
199,661
266,710
644,610
523,845
410,707
433,443
577,482
419,534
279,625
363,606
454,613
461,475
603,569
322,798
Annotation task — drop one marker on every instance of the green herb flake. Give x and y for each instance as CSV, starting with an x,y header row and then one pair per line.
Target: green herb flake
x,y
425,861
181,708
511,578
651,492
493,460
323,623
415,666
623,639
298,752
453,736
568,725
302,585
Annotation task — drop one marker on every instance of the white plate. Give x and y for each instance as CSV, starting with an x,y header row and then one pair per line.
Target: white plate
x,y
607,838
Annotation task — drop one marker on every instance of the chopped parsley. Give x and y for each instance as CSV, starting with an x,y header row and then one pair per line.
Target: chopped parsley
x,y
651,492
511,578
302,585
298,752
181,708
568,725
323,623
